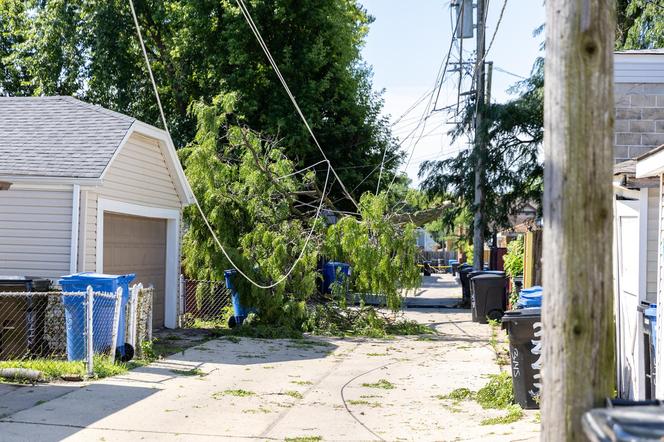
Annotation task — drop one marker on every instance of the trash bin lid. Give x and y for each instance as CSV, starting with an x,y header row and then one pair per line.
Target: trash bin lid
x,y
625,423
522,313
487,276
38,284
88,276
535,288
651,312
530,295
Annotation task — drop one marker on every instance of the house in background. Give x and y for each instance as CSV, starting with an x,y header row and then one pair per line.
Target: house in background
x,y
639,128
88,189
425,241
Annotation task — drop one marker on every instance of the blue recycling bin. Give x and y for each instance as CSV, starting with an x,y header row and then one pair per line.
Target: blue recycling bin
x,y
530,297
240,311
102,316
651,314
330,275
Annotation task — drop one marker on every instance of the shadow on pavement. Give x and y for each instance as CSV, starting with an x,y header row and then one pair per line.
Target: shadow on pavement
x,y
70,413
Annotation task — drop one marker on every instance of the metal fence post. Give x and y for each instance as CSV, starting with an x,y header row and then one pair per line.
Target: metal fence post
x,y
116,322
149,321
89,300
181,298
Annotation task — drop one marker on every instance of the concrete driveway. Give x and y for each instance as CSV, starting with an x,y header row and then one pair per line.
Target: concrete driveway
x,y
333,389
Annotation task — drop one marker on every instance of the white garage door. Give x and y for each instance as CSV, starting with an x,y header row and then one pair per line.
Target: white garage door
x,y
137,245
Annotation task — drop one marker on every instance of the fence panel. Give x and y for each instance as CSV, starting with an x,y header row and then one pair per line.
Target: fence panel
x,y
203,302
71,326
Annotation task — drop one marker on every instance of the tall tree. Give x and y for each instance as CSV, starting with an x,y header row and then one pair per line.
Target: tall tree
x,y
200,48
513,160
639,24
578,332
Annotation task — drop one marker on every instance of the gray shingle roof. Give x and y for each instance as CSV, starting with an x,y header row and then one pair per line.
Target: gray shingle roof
x,y
58,137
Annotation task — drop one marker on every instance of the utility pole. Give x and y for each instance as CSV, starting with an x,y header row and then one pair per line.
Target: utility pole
x,y
479,150
578,367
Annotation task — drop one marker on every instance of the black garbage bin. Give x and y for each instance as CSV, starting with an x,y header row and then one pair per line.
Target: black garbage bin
x,y
634,422
465,285
23,317
488,297
524,327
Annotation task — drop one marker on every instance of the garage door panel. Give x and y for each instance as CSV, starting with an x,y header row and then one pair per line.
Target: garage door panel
x,y
137,245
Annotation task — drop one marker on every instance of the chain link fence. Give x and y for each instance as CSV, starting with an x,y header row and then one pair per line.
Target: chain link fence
x,y
73,326
203,303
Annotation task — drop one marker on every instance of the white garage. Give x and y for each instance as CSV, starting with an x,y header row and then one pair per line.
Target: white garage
x,y
83,188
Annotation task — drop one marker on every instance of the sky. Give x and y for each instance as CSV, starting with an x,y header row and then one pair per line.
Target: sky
x,y
406,46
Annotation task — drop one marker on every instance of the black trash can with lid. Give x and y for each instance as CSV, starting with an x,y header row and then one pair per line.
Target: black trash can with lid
x,y
524,328
465,285
22,318
488,297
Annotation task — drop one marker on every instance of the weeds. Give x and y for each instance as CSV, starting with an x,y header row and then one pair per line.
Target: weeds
x,y
191,372
302,382
303,439
236,393
382,383
294,394
364,402
514,413
459,394
497,393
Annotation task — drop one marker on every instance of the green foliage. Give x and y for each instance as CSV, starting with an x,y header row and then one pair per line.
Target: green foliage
x,y
639,24
513,161
381,253
200,48
514,413
497,393
383,384
513,260
236,393
459,394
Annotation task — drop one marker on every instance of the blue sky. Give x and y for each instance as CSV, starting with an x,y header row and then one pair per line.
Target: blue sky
x,y
406,45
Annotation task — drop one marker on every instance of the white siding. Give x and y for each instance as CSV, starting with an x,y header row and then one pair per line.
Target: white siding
x,y
138,175
639,68
652,238
35,232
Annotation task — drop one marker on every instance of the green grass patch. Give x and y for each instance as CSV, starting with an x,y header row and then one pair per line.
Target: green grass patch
x,y
293,394
236,393
514,413
497,393
382,383
56,369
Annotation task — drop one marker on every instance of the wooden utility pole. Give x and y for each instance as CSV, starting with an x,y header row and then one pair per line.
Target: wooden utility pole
x,y
578,330
479,151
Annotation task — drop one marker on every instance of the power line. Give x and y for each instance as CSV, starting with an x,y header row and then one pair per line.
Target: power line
x,y
275,67
198,206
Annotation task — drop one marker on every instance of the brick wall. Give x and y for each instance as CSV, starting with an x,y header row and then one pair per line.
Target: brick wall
x,y
639,119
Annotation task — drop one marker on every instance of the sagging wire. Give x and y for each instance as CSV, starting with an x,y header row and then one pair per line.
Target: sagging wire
x,y
198,206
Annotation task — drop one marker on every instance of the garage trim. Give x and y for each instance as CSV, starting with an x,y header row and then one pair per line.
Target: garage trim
x,y
172,239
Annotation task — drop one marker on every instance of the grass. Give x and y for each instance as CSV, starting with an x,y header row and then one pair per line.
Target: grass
x,y
55,369
514,413
293,394
236,393
382,383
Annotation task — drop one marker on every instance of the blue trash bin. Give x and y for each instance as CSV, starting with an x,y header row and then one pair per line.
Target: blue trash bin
x,y
240,311
330,275
103,312
651,315
530,297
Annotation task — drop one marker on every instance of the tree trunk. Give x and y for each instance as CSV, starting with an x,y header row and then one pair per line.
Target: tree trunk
x,y
578,329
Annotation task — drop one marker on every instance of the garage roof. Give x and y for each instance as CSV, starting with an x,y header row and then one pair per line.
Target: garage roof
x,y
51,139
58,137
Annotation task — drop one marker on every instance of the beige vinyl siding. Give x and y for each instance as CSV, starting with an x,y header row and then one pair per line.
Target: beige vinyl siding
x,y
35,232
652,238
138,175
